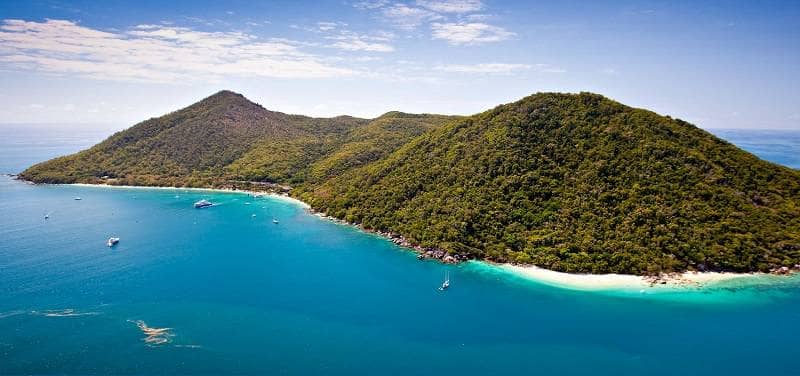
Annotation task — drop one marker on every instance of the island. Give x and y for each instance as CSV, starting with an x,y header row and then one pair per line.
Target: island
x,y
574,183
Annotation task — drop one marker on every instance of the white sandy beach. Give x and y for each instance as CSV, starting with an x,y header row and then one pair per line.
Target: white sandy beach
x,y
597,282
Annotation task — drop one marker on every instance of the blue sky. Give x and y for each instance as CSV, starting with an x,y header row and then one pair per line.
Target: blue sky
x,y
717,64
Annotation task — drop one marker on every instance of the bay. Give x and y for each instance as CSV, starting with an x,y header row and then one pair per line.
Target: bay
x,y
238,294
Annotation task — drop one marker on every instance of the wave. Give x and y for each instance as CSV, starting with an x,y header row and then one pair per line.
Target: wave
x,y
154,336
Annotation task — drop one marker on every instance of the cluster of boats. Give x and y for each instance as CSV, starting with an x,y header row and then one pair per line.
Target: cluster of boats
x,y
205,204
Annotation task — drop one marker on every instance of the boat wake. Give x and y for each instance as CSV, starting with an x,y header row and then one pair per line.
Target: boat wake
x,y
189,346
11,313
154,336
69,312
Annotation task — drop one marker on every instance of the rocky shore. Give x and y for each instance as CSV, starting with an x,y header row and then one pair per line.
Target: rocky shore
x,y
423,253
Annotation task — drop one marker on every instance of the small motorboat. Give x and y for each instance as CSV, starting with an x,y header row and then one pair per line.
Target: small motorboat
x,y
78,199
112,242
202,204
275,221
446,283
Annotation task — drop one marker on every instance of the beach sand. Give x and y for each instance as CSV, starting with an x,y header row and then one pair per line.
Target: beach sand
x,y
599,282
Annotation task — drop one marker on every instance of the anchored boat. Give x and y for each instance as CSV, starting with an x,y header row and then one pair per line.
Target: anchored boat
x,y
446,283
202,204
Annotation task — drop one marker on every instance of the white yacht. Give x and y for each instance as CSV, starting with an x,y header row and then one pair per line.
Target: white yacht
x,y
202,204
446,283
112,242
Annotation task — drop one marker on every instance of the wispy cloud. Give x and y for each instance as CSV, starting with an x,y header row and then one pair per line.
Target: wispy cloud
x,y
497,68
154,53
483,68
350,41
408,17
451,6
469,33
371,4
453,20
327,26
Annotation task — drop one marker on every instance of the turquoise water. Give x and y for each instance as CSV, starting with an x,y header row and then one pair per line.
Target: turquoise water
x,y
241,295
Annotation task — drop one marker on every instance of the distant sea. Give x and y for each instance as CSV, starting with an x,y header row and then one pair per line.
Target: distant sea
x,y
224,290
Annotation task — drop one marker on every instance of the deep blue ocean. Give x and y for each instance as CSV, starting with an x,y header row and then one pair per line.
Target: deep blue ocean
x,y
220,291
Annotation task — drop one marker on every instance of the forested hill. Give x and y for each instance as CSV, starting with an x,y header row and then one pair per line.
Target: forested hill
x,y
570,182
578,183
224,138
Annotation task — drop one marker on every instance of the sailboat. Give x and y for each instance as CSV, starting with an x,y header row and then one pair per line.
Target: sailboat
x,y
446,282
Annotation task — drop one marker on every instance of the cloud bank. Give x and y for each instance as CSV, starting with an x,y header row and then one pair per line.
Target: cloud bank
x,y
158,53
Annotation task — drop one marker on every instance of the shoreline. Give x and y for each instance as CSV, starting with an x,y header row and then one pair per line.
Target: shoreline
x,y
278,196
570,281
635,283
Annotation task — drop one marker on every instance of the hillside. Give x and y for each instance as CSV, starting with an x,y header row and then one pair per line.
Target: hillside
x,y
314,159
569,182
225,137
578,183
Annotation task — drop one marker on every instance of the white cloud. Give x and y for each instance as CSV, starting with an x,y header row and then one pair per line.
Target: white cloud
x,y
153,53
483,68
451,6
469,33
408,18
347,40
477,17
497,68
327,26
350,41
374,4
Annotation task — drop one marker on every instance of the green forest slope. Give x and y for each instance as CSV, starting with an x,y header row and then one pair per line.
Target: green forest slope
x,y
578,183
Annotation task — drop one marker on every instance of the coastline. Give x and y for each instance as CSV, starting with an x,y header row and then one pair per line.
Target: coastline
x,y
641,284
571,281
278,196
